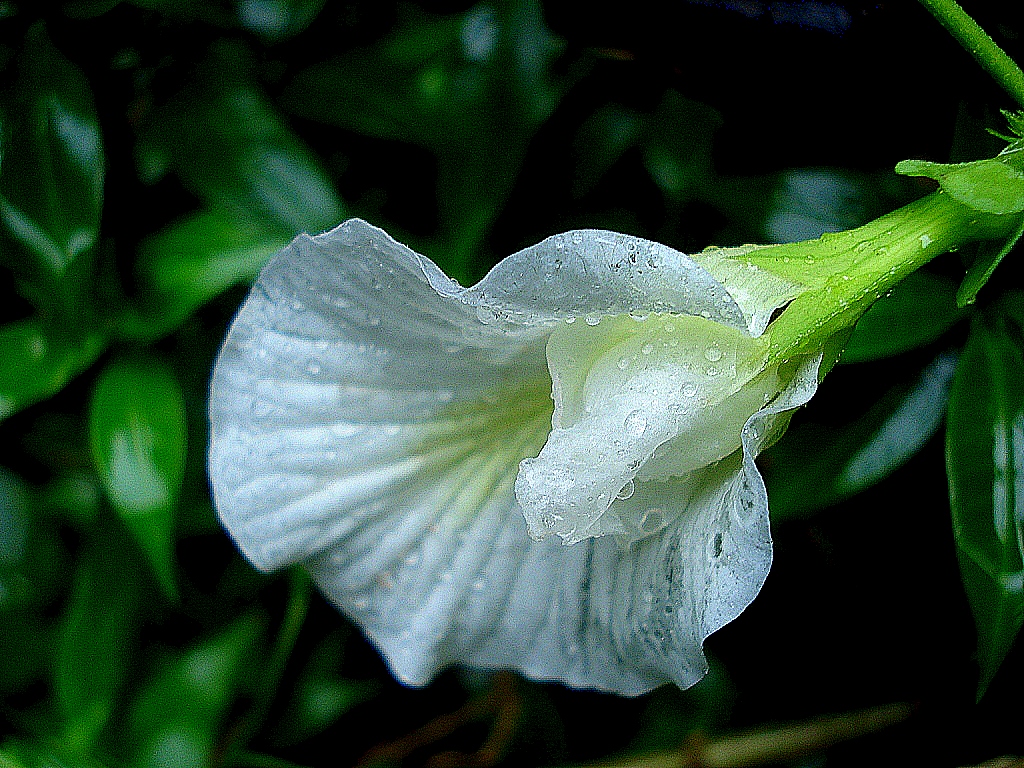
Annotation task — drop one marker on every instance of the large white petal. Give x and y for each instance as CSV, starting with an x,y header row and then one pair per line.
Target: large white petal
x,y
368,419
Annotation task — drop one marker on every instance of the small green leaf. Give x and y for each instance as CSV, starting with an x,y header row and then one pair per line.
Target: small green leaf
x,y
36,363
96,638
987,256
51,176
994,185
917,312
137,436
229,146
176,719
985,467
803,478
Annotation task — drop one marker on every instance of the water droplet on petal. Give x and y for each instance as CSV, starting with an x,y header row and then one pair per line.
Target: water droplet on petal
x,y
623,363
592,319
485,315
635,423
713,353
626,491
647,349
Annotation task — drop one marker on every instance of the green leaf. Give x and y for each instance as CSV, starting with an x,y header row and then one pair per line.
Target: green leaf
x,y
472,88
916,313
51,175
599,143
321,694
985,467
36,362
677,145
276,20
229,146
994,185
96,638
190,262
803,478
137,436
987,256
176,719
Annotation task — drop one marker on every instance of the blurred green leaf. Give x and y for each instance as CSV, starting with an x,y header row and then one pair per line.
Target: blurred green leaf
x,y
472,88
276,20
190,262
229,146
137,436
677,145
599,143
985,467
987,255
97,638
36,362
803,478
51,175
917,312
177,717
23,754
321,694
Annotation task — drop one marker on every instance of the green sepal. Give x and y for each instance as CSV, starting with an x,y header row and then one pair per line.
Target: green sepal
x,y
985,468
988,254
137,435
994,185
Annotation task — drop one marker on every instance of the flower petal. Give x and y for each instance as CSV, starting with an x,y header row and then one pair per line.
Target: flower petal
x,y
368,419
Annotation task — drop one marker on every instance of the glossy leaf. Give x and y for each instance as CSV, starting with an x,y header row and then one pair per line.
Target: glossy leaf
x,y
917,312
96,638
180,711
192,261
816,465
985,466
228,145
36,362
988,254
137,435
51,176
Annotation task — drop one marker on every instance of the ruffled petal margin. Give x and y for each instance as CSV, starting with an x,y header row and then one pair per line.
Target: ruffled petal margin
x,y
368,419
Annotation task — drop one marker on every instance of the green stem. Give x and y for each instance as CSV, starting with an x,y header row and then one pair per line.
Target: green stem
x,y
982,47
843,273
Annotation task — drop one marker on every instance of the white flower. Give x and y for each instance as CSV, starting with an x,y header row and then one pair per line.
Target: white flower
x,y
551,471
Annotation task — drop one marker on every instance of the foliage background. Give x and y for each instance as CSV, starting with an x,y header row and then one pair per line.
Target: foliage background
x,y
154,153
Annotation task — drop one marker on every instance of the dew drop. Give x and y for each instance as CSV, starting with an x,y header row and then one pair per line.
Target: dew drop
x,y
577,237
689,389
635,423
713,353
592,319
626,491
570,320
485,315
313,368
623,363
